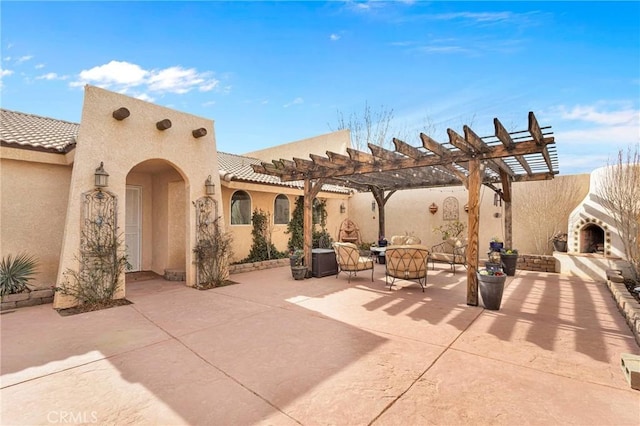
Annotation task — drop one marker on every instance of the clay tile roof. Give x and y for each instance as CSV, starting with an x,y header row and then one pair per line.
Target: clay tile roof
x,y
33,131
238,168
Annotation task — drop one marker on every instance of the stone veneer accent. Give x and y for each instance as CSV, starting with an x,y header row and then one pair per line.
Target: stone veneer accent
x,y
257,266
31,298
627,304
535,262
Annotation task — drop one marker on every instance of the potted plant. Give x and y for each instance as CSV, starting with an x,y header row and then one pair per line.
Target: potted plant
x,y
491,283
496,244
509,259
298,269
559,240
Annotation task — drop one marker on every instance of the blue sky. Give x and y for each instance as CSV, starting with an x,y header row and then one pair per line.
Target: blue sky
x,y
274,72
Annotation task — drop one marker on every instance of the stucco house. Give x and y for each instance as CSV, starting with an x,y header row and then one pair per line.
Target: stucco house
x,y
160,163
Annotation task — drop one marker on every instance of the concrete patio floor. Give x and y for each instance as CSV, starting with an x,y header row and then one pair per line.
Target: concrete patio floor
x,y
271,350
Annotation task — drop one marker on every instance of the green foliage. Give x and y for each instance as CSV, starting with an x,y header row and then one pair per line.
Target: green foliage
x,y
453,229
295,228
15,273
102,262
297,257
262,248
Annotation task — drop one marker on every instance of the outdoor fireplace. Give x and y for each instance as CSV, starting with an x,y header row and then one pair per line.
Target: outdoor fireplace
x,y
592,239
591,229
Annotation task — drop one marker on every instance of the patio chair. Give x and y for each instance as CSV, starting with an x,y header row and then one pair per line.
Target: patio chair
x,y
452,251
350,261
408,262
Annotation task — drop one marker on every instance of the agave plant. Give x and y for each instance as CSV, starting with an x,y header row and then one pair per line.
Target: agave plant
x,y
15,273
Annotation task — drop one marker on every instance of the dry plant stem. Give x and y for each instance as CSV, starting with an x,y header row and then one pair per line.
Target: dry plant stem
x,y
545,210
620,196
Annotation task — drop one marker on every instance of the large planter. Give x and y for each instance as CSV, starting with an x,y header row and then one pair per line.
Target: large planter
x,y
491,289
560,246
299,272
509,262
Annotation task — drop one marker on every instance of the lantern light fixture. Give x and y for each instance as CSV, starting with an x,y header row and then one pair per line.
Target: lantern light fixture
x,y
343,208
101,177
373,206
210,187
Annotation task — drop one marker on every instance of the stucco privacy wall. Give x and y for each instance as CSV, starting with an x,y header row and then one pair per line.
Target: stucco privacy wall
x,y
407,212
334,141
121,145
34,199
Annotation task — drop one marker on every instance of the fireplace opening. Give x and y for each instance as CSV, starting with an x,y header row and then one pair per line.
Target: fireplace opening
x,y
592,239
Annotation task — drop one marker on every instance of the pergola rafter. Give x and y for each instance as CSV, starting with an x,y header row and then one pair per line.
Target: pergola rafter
x,y
472,161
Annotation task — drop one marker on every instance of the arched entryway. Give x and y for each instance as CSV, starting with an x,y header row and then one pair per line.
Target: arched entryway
x,y
156,218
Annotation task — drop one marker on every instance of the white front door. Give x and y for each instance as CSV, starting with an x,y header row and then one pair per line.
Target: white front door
x,y
133,226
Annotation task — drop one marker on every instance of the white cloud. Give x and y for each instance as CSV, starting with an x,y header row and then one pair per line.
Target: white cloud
x,y
209,103
577,163
591,114
603,135
144,97
122,76
475,16
4,73
24,58
115,73
48,76
296,101
39,66
334,37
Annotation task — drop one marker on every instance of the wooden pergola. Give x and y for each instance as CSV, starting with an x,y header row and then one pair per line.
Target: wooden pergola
x,y
469,160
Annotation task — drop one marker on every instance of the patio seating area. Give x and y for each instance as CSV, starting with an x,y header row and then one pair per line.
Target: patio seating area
x,y
272,350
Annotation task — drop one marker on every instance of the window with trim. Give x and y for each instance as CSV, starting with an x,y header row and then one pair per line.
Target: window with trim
x,y
281,209
240,208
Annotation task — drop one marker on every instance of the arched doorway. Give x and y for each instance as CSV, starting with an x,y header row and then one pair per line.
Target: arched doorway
x,y
156,218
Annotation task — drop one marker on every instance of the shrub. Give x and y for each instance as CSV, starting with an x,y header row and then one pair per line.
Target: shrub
x,y
15,273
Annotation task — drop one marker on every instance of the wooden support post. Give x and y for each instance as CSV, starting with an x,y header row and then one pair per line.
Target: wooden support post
x,y
475,182
508,216
310,192
307,224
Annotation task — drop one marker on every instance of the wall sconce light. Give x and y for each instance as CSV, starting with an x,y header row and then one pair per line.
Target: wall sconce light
x,y
101,177
433,208
373,206
343,208
209,186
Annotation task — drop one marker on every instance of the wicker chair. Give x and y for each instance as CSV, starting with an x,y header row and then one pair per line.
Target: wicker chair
x,y
350,261
408,262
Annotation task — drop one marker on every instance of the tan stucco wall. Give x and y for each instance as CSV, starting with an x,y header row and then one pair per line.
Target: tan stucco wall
x,y
263,197
334,142
407,212
33,204
121,145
